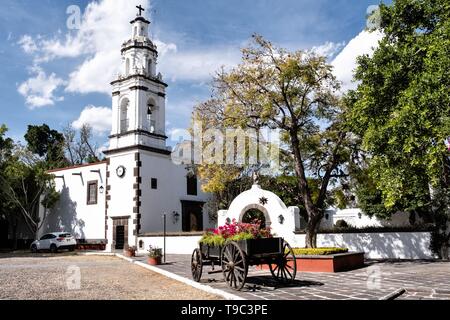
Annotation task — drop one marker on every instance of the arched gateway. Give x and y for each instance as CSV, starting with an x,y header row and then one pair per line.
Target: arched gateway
x,y
283,220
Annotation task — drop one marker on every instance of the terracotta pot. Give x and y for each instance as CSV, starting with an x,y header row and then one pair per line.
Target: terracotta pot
x,y
154,261
129,253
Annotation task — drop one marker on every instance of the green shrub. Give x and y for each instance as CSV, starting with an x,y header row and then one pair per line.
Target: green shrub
x,y
242,236
318,251
212,240
341,224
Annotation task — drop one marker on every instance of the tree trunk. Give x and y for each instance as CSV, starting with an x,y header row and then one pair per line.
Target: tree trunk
x,y
312,228
311,236
14,232
314,215
444,250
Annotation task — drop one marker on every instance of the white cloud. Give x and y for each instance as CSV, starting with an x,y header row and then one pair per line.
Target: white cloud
x,y
99,118
27,43
39,90
94,74
198,64
345,62
104,27
328,49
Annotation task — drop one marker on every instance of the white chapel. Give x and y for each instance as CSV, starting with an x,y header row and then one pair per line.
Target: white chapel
x,y
116,200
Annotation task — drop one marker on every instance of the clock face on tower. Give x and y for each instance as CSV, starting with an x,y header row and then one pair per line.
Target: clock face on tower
x,y
120,171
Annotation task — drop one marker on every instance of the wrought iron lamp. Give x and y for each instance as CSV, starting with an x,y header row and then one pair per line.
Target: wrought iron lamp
x,y
176,216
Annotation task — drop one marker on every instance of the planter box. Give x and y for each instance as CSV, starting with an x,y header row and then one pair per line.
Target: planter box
x,y
331,262
91,246
328,263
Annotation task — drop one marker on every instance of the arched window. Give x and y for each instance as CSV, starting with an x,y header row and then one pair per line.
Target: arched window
x,y
254,214
127,67
124,121
151,116
149,67
135,31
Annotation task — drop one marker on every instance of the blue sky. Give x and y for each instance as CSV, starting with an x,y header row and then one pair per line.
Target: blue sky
x,y
50,74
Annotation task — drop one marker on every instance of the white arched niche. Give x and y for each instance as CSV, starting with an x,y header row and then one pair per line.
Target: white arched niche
x,y
282,220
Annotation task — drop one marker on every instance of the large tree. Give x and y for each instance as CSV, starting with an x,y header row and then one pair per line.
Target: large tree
x,y
295,92
401,110
48,144
81,149
24,183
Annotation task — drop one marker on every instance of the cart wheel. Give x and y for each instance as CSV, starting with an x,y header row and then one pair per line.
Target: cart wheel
x,y
234,266
286,267
196,265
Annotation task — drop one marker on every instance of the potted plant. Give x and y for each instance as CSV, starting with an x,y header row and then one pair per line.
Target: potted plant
x,y
130,251
154,255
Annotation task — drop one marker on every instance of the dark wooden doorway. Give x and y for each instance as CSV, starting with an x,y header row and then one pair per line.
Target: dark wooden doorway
x,y
4,228
120,232
120,237
192,216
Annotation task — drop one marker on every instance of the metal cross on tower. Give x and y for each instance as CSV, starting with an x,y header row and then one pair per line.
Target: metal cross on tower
x,y
139,7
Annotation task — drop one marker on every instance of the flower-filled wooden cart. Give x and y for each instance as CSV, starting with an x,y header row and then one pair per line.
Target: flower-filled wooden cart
x,y
248,246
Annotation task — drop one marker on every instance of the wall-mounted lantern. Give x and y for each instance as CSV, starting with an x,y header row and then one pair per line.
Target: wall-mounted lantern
x,y
101,189
280,219
176,217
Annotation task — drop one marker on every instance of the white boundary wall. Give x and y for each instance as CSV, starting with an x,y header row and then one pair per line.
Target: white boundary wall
x,y
389,245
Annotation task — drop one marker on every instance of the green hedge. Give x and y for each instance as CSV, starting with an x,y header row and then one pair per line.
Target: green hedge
x,y
318,251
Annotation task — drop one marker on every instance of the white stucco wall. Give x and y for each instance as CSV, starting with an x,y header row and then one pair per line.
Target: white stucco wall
x,y
388,245
72,213
121,203
356,218
174,244
398,245
172,189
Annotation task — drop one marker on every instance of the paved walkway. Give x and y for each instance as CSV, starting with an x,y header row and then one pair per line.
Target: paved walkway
x,y
71,276
378,280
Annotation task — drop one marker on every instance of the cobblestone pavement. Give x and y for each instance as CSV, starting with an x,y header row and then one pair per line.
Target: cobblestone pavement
x,y
53,276
378,280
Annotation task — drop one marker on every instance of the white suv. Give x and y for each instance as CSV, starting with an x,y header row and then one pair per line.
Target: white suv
x,y
54,241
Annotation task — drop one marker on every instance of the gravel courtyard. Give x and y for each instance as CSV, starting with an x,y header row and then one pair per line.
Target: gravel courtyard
x,y
47,276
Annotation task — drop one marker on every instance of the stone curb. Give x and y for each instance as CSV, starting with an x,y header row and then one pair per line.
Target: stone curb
x,y
208,289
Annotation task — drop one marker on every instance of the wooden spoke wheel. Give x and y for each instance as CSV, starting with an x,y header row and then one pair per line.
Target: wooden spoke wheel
x,y
234,266
285,267
196,265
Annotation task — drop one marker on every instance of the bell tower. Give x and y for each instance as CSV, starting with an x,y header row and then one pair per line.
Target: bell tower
x,y
138,94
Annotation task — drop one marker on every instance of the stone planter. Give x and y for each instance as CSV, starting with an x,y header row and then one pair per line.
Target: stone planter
x,y
327,262
330,262
154,261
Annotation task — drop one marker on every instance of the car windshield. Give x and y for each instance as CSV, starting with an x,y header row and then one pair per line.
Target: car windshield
x,y
65,235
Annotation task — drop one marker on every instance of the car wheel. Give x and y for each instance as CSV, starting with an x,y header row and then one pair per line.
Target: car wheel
x,y
72,248
34,248
53,248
